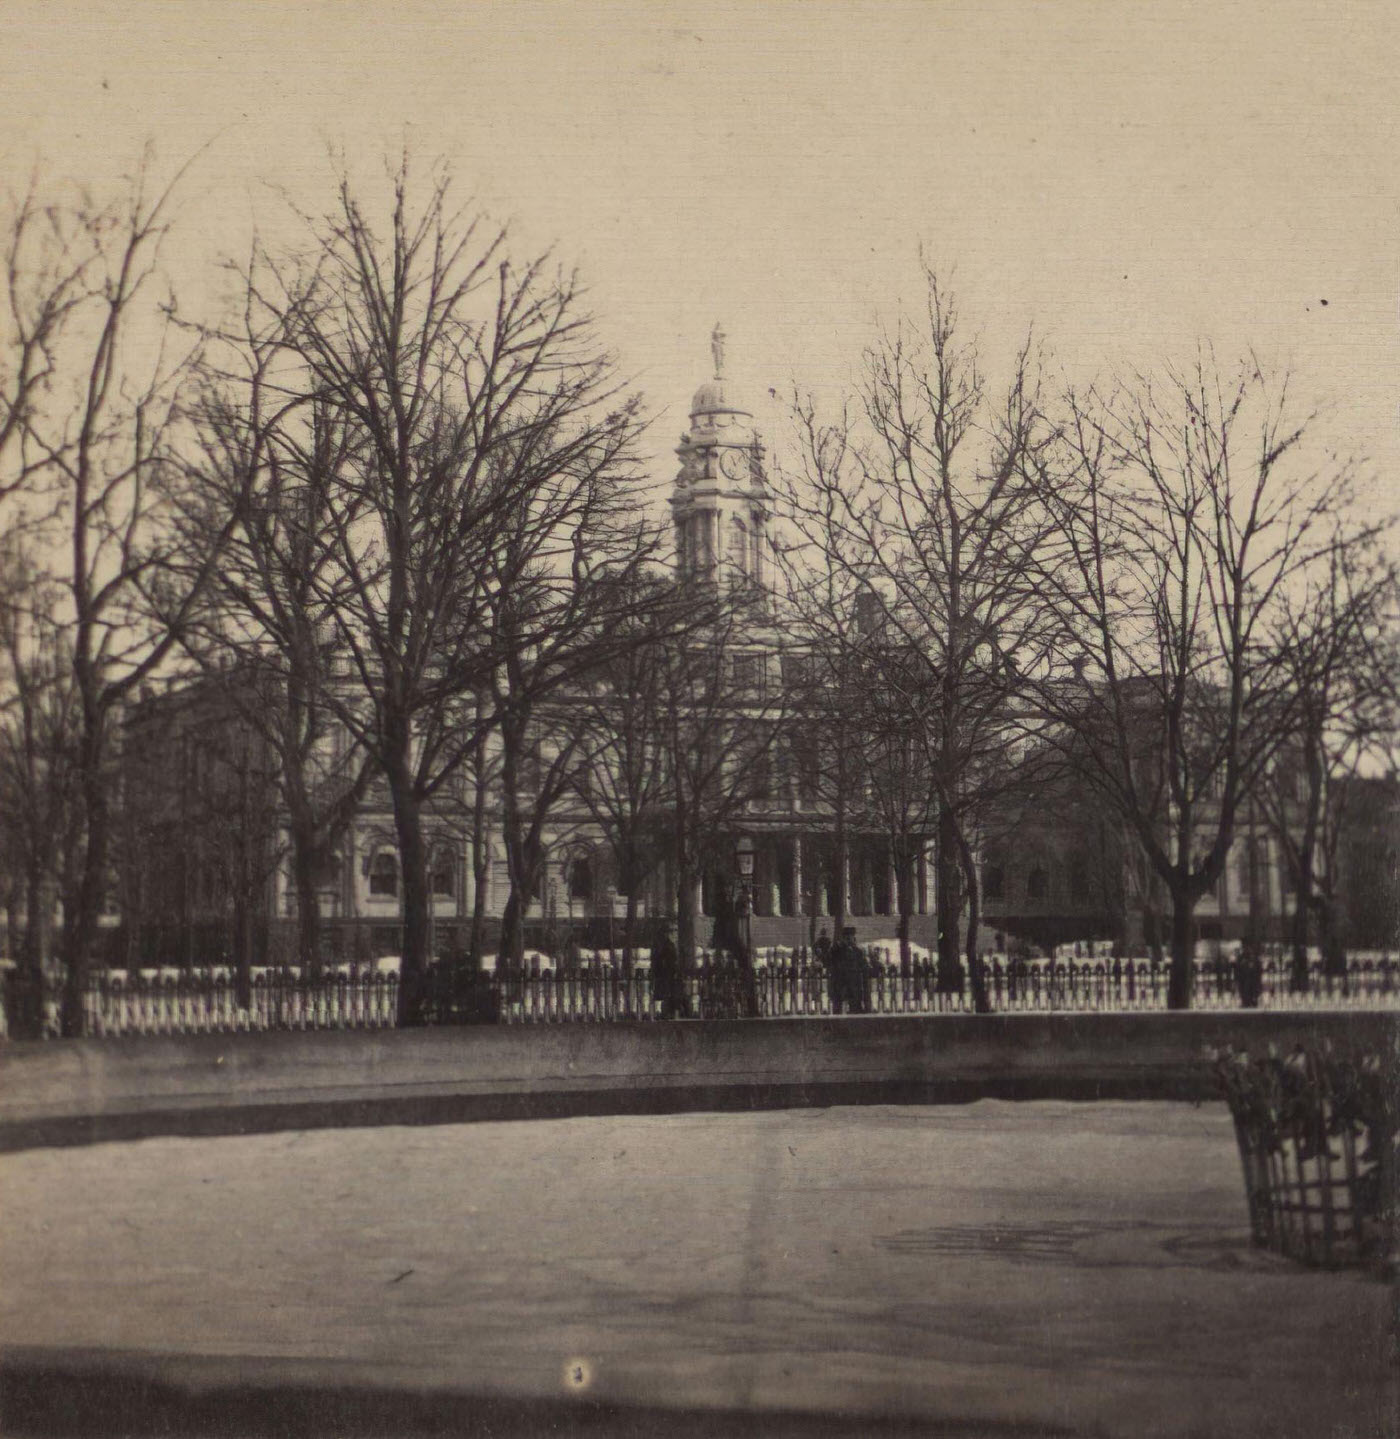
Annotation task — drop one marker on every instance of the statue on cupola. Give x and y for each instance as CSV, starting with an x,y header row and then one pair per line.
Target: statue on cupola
x,y
720,504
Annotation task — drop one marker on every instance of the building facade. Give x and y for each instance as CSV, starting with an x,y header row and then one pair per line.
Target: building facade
x,y
1056,873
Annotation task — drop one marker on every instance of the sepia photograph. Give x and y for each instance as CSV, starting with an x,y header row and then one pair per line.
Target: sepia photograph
x,y
699,719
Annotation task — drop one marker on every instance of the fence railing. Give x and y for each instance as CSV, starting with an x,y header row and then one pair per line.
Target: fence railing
x,y
790,983
781,983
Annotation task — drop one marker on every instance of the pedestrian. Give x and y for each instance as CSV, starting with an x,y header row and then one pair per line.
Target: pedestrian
x,y
668,979
821,948
848,973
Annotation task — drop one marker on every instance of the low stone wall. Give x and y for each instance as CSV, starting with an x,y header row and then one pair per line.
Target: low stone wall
x,y
86,1091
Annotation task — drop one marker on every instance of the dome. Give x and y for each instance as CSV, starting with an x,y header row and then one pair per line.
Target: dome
x,y
713,397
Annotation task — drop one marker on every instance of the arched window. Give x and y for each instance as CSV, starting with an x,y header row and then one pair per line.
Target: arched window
x,y
581,879
1037,883
384,875
993,880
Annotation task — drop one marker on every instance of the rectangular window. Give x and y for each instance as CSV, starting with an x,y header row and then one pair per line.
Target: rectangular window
x,y
748,672
442,876
384,875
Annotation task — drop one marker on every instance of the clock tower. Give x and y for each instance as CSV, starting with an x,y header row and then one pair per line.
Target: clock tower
x,y
720,503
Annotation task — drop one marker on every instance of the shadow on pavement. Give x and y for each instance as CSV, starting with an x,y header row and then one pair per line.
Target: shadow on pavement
x,y
126,1396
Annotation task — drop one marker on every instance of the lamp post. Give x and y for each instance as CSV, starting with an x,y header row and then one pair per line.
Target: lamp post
x,y
744,853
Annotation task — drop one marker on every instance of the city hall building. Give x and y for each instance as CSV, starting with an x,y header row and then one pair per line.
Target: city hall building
x,y
1063,873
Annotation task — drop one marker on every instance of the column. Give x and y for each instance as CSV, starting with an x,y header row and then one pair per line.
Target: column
x,y
349,908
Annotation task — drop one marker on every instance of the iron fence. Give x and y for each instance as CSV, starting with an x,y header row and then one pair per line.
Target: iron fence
x,y
789,983
781,983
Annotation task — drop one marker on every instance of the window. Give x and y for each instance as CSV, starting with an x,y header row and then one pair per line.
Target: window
x,y
1037,883
384,875
1078,882
797,671
869,612
806,758
441,877
993,881
738,546
761,777
748,671
581,879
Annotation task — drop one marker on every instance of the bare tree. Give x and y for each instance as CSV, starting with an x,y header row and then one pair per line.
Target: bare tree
x,y
38,726
923,498
826,607
274,459
92,424
625,780
563,596
622,781
1329,632
723,717
481,401
54,274
1186,507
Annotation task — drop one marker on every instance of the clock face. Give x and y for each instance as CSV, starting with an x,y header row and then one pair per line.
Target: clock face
x,y
735,464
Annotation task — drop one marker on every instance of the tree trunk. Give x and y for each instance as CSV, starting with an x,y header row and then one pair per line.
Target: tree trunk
x,y
523,866
839,862
511,957
242,952
1334,954
413,873
685,904
981,1000
481,866
904,902
80,917
27,1018
1307,850
948,905
686,875
1183,951
308,901
1298,967
512,947
526,874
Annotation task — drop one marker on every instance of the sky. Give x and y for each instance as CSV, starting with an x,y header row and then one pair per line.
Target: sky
x,y
1128,179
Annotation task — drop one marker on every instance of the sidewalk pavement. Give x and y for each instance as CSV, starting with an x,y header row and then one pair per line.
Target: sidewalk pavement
x,y
989,1269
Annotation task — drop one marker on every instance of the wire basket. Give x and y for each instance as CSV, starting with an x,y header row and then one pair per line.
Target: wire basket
x,y
1317,1135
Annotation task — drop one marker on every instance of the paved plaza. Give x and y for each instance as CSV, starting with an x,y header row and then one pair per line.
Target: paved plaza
x,y
1027,1268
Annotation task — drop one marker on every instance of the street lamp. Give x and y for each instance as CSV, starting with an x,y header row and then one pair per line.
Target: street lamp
x,y
744,853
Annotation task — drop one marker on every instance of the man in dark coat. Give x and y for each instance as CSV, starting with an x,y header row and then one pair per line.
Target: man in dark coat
x,y
847,969
668,979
